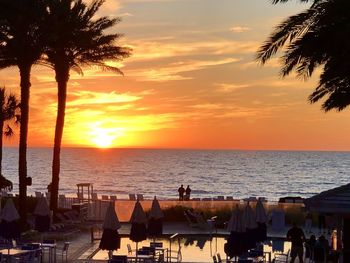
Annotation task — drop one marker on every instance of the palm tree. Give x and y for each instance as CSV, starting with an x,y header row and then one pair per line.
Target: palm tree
x,y
75,39
316,38
9,111
21,46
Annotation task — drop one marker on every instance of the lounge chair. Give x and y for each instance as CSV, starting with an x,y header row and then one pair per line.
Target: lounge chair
x,y
38,194
132,197
195,220
94,196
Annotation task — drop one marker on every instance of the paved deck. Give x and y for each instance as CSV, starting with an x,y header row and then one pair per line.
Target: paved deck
x,y
81,246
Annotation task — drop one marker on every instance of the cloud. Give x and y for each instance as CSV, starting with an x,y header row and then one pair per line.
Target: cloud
x,y
173,71
239,29
89,98
229,87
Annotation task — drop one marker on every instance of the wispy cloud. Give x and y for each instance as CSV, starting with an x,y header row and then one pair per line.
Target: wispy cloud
x,y
240,29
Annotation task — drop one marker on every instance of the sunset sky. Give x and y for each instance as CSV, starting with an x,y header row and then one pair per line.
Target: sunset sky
x,y
192,82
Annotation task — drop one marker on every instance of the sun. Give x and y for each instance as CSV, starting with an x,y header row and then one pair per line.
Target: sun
x,y
102,138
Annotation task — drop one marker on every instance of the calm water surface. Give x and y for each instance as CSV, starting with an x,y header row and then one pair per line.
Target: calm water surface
x,y
239,174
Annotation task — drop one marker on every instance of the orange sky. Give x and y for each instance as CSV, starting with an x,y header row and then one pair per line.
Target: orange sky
x,y
192,82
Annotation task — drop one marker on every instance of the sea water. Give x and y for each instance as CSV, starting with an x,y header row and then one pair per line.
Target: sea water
x,y
209,173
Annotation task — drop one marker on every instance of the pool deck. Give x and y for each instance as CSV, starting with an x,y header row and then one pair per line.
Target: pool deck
x,y
81,246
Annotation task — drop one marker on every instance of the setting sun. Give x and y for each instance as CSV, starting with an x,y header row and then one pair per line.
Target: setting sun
x,y
102,138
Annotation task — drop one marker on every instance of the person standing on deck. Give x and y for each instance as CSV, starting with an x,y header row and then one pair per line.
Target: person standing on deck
x,y
181,191
188,193
297,238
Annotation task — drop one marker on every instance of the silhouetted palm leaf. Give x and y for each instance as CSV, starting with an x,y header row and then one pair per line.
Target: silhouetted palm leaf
x,y
316,38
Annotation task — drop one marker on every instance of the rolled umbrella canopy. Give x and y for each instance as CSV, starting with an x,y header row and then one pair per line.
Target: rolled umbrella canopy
x,y
236,244
9,226
138,221
261,219
42,215
249,223
110,237
5,184
155,220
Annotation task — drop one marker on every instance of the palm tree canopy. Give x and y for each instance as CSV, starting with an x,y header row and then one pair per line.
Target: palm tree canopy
x,y
20,34
9,110
318,37
75,39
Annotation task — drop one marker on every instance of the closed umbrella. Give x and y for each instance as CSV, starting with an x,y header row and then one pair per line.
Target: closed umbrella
x,y
110,237
9,226
235,245
155,220
138,221
261,220
249,223
42,215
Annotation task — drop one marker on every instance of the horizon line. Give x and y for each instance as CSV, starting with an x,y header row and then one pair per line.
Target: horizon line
x,y
184,149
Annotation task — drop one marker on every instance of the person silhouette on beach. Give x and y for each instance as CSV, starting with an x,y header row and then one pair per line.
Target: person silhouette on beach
x,y
188,193
296,236
181,191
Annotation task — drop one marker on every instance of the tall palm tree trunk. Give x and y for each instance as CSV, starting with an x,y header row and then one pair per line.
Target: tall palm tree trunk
x,y
22,160
62,80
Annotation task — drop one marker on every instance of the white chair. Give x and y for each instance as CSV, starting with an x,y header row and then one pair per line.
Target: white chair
x,y
281,257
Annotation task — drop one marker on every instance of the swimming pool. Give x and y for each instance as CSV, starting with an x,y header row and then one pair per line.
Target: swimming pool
x,y
194,248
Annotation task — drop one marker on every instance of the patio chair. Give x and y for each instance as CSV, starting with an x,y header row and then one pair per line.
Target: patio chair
x,y
140,197
113,197
132,197
281,257
104,197
64,252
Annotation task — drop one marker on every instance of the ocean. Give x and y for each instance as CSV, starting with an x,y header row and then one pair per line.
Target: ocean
x,y
241,174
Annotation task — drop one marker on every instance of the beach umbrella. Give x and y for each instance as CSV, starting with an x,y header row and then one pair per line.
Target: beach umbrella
x,y
42,215
155,219
236,244
138,221
249,223
110,237
261,220
9,226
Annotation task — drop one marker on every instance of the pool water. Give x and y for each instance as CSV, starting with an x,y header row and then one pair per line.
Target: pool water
x,y
192,248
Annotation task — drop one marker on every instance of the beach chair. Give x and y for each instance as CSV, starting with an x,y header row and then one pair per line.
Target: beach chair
x,y
38,194
196,220
132,197
140,197
94,196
